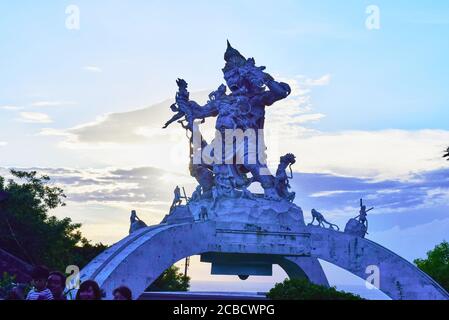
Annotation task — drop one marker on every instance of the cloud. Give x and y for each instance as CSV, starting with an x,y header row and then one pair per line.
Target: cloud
x,y
309,118
51,132
144,185
3,143
94,69
334,193
423,191
371,154
322,81
52,103
145,124
127,127
109,194
136,138
34,117
11,108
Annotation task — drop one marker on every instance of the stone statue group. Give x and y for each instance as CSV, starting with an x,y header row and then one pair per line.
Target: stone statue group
x,y
356,226
242,110
232,165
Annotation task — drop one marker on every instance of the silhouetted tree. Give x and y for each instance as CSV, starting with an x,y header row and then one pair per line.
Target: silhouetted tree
x,y
30,233
437,264
303,289
171,280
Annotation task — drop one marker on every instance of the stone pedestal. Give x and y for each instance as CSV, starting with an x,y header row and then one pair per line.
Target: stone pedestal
x,y
355,228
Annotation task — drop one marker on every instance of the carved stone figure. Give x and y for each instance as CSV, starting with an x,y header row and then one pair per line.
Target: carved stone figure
x,y
362,217
251,90
282,183
196,195
322,221
177,198
204,214
358,226
182,107
135,222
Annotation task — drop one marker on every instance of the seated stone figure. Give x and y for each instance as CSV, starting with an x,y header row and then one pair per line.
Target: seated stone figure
x,y
282,183
196,195
135,222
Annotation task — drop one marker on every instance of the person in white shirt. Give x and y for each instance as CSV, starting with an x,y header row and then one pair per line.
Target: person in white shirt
x,y
39,280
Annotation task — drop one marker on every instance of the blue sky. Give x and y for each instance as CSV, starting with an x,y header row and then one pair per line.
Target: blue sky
x,y
367,117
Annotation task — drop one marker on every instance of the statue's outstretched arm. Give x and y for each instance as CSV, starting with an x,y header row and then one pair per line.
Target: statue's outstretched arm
x,y
206,111
197,111
176,117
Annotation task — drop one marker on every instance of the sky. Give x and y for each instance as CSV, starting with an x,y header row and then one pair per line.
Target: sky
x,y
367,116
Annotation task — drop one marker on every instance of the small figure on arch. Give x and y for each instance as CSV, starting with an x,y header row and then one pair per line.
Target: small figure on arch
x,y
135,222
322,221
363,213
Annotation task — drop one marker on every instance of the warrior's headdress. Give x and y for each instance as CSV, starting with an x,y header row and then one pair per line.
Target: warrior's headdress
x,y
233,58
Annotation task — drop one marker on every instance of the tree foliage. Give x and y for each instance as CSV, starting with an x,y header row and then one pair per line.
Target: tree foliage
x,y
6,284
30,233
171,280
303,289
437,264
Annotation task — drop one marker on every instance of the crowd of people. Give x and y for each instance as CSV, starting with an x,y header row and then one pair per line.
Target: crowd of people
x,y
48,285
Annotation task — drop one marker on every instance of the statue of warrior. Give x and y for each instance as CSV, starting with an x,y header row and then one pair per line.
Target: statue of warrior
x,y
251,90
363,214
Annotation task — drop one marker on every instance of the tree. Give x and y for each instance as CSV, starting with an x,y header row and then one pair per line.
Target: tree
x,y
437,264
303,289
6,284
171,280
30,233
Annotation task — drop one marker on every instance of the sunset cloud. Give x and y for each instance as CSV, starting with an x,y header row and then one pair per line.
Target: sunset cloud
x,y
52,103
34,117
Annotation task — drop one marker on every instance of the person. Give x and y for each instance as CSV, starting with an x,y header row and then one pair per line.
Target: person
x,y
122,293
16,293
40,291
89,290
56,284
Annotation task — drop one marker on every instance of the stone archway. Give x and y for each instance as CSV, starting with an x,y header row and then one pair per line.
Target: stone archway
x,y
137,260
